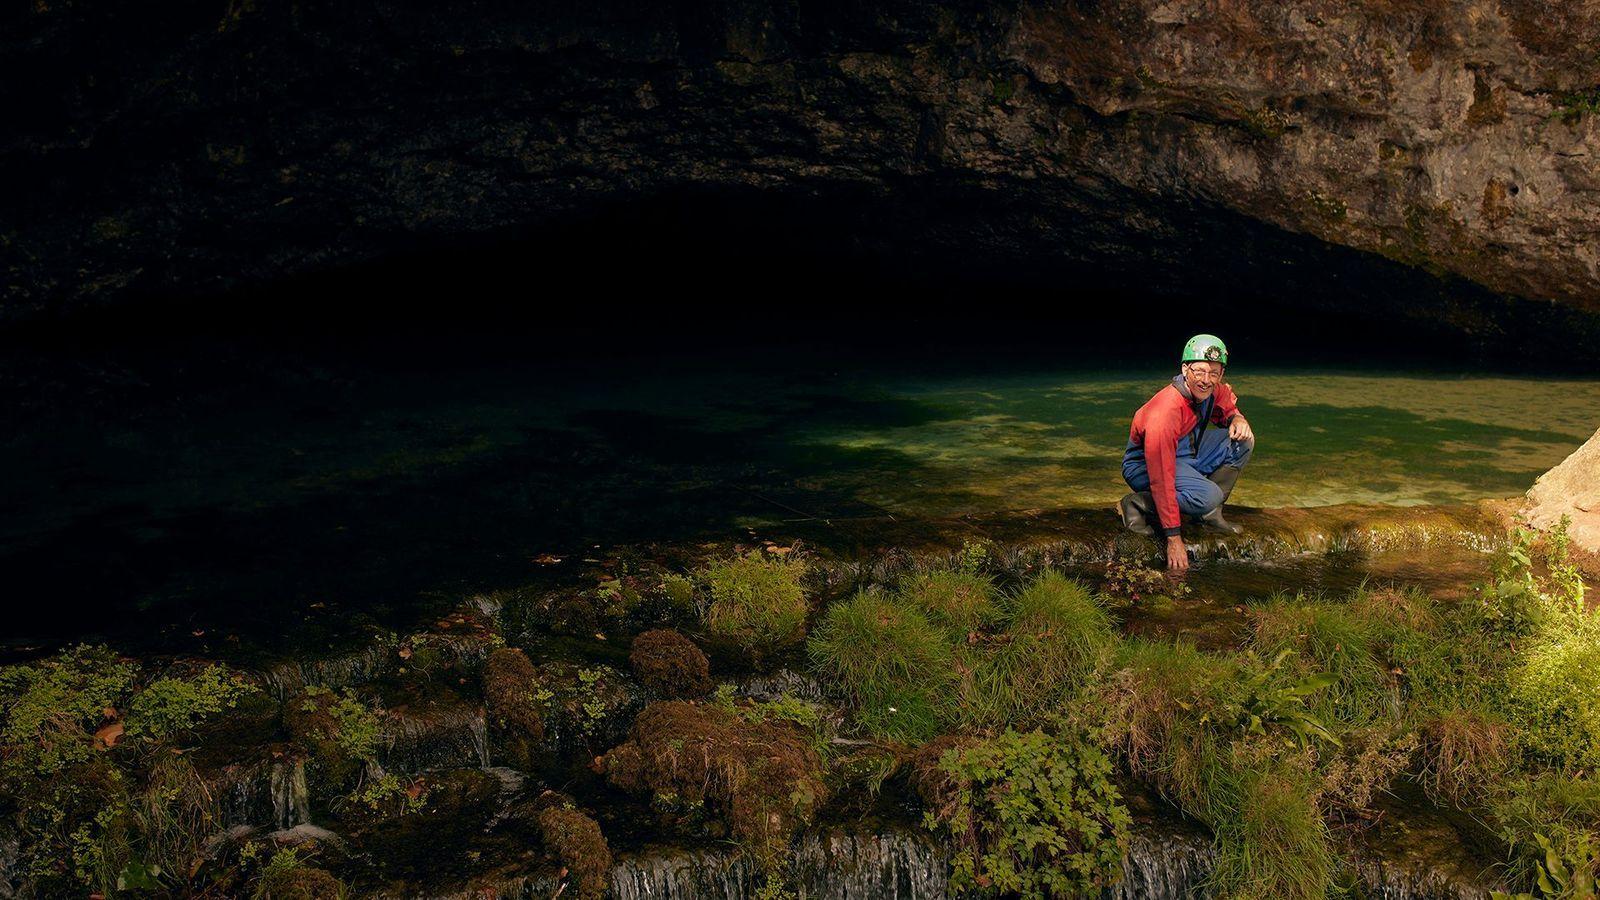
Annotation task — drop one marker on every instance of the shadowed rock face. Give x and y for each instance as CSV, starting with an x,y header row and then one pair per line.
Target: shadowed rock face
x,y
1425,161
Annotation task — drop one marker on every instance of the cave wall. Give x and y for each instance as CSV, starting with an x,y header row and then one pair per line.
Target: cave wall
x,y
1430,160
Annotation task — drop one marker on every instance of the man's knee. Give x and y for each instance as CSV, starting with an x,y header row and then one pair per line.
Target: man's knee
x,y
1199,497
1239,453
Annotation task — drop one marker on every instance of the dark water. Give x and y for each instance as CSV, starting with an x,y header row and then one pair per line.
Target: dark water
x,y
310,495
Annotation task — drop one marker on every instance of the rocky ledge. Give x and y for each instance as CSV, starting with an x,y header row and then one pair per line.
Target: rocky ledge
x,y
1425,162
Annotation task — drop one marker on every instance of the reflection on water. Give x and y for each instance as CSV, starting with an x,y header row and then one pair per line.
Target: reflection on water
x,y
319,487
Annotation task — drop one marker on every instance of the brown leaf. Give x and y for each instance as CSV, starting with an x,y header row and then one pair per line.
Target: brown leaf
x,y
405,651
108,735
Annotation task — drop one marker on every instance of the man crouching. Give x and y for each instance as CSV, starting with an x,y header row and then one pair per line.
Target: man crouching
x,y
1174,463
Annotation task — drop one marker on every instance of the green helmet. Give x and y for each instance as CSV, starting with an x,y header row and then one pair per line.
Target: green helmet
x,y
1205,348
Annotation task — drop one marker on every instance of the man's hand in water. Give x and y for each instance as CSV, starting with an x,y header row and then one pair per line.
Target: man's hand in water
x,y
1177,554
1239,430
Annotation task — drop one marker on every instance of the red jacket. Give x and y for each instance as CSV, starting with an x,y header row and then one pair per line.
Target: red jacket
x,y
1158,426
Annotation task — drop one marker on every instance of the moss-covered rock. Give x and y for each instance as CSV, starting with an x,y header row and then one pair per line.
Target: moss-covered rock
x,y
576,843
587,707
511,693
300,883
339,733
763,780
670,664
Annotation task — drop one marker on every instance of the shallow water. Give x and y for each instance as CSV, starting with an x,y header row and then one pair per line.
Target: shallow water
x,y
350,495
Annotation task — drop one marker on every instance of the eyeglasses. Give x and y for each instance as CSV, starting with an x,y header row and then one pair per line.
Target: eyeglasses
x,y
1196,370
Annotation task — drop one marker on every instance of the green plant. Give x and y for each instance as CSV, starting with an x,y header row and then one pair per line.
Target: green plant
x,y
1030,814
680,593
1551,823
756,601
388,797
973,556
1574,105
173,705
288,877
1270,701
1555,695
896,668
50,708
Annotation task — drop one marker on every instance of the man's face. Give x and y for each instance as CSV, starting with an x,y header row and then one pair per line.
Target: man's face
x,y
1202,378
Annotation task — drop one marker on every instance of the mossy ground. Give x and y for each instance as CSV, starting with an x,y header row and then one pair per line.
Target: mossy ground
x,y
1278,717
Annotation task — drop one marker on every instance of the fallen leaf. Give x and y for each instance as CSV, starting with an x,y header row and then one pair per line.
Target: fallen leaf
x,y
405,651
109,734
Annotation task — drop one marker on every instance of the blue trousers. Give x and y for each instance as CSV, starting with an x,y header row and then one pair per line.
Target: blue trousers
x,y
1197,494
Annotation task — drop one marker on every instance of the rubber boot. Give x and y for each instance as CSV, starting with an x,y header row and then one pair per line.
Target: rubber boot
x,y
1224,477
1137,511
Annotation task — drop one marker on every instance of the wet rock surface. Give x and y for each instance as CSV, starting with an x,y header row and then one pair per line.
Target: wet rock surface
x,y
1434,161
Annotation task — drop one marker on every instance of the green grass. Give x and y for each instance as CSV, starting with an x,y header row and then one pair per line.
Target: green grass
x,y
896,668
959,602
757,601
1332,638
1054,633
1271,839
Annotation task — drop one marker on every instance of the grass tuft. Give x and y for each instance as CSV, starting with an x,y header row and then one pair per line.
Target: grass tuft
x,y
897,669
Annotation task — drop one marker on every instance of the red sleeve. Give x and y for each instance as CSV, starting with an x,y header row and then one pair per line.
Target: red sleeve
x,y
1160,457
1226,407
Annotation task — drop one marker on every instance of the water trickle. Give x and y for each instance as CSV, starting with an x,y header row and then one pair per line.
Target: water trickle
x,y
448,737
291,801
783,682
342,670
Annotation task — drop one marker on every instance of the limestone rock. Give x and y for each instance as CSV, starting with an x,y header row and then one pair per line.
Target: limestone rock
x,y
1571,489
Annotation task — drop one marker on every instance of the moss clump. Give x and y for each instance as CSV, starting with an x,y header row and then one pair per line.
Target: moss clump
x,y
957,601
757,603
1030,813
670,664
763,779
512,694
576,842
286,877
897,670
174,705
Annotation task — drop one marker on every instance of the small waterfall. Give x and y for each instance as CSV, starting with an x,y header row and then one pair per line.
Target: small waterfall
x,y
1164,864
449,737
291,801
777,684
269,793
378,658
